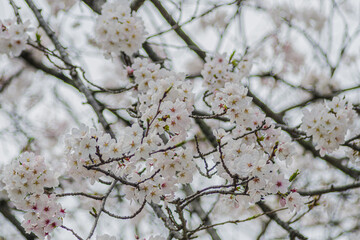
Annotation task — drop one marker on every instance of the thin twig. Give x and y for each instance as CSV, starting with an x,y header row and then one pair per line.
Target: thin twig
x,y
126,217
80,194
72,231
329,190
272,215
101,210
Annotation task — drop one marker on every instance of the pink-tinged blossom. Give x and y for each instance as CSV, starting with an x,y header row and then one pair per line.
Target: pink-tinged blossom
x,y
278,184
13,37
256,195
294,201
27,175
282,202
25,179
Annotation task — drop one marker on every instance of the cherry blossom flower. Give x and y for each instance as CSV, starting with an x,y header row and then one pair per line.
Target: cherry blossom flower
x,y
118,30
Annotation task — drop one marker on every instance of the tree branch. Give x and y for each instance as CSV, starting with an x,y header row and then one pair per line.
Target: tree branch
x,y
189,42
272,215
329,190
101,209
168,223
73,72
196,205
6,212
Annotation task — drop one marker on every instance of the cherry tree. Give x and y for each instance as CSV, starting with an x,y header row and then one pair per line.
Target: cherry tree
x,y
179,119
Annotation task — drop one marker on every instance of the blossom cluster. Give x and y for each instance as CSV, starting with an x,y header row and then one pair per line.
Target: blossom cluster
x,y
166,99
44,216
86,146
161,159
217,71
246,155
13,37
163,172
228,94
328,124
117,29
146,154
233,100
25,180
245,159
145,161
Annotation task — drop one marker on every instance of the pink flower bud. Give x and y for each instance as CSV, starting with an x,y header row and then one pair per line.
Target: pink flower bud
x,y
129,70
282,202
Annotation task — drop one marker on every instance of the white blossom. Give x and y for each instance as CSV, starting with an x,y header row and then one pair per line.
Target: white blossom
x,y
117,29
13,37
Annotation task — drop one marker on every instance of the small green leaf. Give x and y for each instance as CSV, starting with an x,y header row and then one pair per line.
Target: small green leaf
x,y
294,175
38,38
94,210
141,172
180,144
231,56
235,63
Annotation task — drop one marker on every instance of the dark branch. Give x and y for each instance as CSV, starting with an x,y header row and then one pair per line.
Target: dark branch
x,y
329,190
6,212
272,215
189,42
